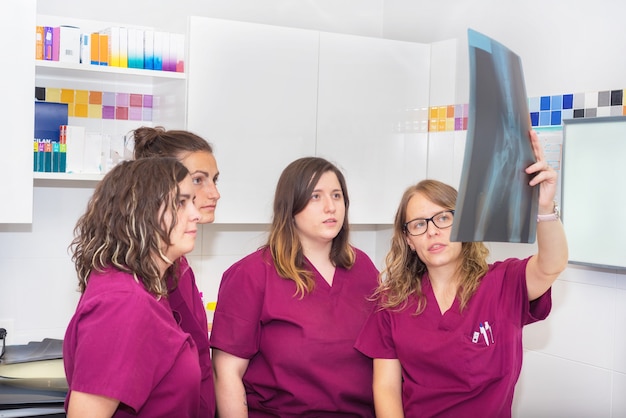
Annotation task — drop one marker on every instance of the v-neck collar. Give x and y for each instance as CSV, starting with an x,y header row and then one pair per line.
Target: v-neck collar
x,y
448,320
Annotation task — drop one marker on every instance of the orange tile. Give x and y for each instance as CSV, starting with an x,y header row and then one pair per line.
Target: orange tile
x,y
450,111
81,96
624,110
67,96
95,97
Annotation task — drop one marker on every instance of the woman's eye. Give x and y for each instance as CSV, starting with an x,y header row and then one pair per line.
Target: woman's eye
x,y
197,181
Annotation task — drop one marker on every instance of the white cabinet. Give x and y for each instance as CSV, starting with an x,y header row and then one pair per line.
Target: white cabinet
x,y
266,95
16,111
371,92
252,93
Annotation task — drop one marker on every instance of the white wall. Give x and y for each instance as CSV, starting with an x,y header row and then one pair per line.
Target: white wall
x,y
575,363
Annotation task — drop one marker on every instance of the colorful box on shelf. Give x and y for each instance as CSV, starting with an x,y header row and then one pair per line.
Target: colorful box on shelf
x,y
114,46
48,119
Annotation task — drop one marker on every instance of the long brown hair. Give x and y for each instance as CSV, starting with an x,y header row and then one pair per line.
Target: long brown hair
x,y
293,193
403,272
123,226
159,142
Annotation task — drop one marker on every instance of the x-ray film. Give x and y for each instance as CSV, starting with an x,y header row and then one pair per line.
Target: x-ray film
x,y
495,202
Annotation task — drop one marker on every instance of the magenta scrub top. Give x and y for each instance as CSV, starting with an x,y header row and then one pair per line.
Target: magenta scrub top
x,y
123,343
448,368
301,350
189,309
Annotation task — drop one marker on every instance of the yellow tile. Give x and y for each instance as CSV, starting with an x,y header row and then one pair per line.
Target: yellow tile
x,y
450,124
81,110
432,113
67,96
95,111
443,112
53,95
432,125
70,110
81,96
442,125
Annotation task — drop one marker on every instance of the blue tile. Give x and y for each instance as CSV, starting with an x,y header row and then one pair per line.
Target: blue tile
x,y
544,118
545,103
555,117
568,101
556,102
534,118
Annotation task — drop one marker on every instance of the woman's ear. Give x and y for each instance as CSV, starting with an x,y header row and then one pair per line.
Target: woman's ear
x,y
409,243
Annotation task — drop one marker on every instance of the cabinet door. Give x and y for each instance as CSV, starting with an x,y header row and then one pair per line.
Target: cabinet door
x,y
17,31
371,91
252,93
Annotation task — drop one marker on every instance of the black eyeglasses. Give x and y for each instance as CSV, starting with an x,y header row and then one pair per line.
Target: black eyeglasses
x,y
419,226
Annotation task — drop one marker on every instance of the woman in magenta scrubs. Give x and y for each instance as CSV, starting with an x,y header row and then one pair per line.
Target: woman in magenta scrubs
x,y
184,297
446,338
124,353
288,314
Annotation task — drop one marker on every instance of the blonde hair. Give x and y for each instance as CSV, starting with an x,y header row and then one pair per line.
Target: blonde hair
x,y
403,272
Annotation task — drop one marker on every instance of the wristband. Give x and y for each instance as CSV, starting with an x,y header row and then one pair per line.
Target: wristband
x,y
554,216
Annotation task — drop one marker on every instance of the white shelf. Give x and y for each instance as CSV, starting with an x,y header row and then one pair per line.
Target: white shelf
x,y
67,176
64,70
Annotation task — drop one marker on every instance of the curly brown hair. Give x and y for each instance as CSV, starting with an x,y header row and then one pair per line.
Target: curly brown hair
x,y
403,272
123,226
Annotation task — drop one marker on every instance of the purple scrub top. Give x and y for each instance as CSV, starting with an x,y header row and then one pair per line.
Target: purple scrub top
x,y
450,366
189,309
124,343
301,350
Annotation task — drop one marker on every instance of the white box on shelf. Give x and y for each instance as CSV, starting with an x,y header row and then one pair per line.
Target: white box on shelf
x,y
75,140
69,44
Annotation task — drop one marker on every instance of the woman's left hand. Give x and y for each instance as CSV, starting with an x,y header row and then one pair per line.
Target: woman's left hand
x,y
544,174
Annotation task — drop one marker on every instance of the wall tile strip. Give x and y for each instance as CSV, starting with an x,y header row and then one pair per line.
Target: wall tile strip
x,y
100,104
544,110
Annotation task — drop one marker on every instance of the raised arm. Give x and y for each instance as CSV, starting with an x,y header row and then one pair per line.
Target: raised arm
x,y
388,388
230,394
551,259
